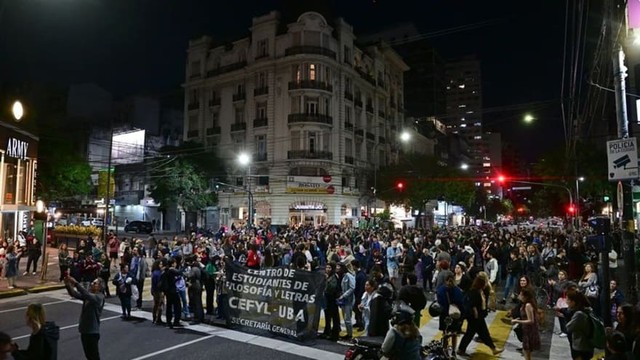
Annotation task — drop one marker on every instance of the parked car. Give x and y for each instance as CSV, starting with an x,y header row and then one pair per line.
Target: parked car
x,y
140,227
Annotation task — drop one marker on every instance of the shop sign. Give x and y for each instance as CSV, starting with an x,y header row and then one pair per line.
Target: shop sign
x,y
310,185
17,148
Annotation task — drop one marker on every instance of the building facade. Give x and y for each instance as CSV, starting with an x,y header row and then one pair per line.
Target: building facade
x,y
18,164
315,112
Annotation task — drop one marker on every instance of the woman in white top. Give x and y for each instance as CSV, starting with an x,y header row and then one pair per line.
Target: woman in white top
x,y
588,285
369,289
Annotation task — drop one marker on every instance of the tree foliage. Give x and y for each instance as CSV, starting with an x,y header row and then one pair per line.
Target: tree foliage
x,y
424,178
184,177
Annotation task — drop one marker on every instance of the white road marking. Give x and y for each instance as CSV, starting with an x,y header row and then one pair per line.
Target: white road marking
x,y
173,347
25,308
69,327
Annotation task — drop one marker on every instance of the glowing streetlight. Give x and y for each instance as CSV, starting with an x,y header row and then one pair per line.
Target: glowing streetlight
x,y
245,160
405,136
528,118
464,166
17,110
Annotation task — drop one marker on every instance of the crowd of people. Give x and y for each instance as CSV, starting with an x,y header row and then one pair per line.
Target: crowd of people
x,y
463,269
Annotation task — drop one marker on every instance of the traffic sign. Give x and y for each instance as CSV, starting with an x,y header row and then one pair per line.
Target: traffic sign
x,y
622,158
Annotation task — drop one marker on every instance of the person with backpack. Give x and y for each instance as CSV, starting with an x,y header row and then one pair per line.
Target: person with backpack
x,y
43,342
580,326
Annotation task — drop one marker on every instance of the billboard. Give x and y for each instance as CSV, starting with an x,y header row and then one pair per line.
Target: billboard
x,y
310,185
128,147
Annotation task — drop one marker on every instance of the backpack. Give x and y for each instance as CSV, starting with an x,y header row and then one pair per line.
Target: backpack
x,y
597,334
332,288
51,336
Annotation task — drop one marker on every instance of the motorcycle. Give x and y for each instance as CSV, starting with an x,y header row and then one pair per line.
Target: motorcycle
x,y
368,348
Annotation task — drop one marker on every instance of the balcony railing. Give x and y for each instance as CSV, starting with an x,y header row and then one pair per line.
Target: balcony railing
x,y
260,122
348,126
310,84
306,154
261,157
227,68
213,131
366,76
313,118
214,102
348,160
371,136
308,49
238,127
261,91
192,133
193,106
239,96
348,95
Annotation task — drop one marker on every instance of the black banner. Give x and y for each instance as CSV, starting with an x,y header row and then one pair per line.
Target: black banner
x,y
279,301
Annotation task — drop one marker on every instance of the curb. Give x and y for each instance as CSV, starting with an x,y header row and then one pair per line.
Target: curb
x,y
33,290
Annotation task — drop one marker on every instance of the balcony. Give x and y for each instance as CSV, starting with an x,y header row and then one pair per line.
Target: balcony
x,y
260,122
310,84
370,108
307,154
349,160
348,95
261,157
381,113
261,91
358,102
348,126
312,50
382,140
311,118
214,102
366,76
193,106
192,134
213,131
239,96
238,127
371,136
227,68
360,132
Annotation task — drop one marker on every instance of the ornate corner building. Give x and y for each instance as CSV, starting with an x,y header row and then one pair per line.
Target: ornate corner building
x,y
316,113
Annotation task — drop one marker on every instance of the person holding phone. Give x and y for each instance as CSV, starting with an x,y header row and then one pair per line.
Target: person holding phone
x,y
92,305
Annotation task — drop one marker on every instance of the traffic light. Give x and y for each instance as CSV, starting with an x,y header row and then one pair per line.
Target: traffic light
x,y
571,209
606,198
501,179
400,185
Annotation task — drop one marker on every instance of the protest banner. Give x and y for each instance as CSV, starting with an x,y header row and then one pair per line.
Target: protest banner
x,y
278,301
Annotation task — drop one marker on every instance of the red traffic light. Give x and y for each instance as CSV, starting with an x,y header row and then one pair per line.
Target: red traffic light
x,y
572,209
501,179
400,185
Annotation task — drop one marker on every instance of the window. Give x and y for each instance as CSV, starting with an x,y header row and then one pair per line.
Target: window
x,y
261,110
312,141
295,140
261,147
347,114
213,95
193,122
296,75
327,106
311,105
239,115
240,89
261,80
215,119
263,180
348,147
193,96
312,72
263,48
347,54
326,140
195,68
347,84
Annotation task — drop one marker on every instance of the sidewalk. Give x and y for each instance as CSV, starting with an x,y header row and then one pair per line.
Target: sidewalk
x,y
34,283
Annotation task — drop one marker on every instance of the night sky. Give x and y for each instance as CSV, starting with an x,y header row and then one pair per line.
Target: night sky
x,y
139,46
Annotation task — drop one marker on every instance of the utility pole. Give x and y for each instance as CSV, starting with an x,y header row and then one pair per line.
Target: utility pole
x,y
107,202
626,223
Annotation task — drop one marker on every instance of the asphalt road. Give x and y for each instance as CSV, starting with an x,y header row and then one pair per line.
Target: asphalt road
x,y
140,339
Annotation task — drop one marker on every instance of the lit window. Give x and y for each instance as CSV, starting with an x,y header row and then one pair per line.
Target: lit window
x,y
477,137
312,71
461,86
463,125
477,124
462,106
486,164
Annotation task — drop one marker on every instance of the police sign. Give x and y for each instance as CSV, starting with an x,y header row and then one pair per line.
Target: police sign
x,y
622,157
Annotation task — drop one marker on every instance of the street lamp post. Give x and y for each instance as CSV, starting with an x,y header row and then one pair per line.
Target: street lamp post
x,y
578,216
40,232
404,137
245,160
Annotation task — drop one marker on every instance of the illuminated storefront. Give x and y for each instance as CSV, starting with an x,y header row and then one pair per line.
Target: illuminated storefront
x,y
18,165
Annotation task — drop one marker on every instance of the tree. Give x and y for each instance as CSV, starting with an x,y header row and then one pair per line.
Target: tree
x,y
184,177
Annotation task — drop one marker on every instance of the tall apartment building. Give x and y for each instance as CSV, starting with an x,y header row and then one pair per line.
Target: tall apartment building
x,y
464,107
315,112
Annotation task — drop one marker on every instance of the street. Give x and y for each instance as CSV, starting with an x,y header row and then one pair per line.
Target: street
x,y
140,339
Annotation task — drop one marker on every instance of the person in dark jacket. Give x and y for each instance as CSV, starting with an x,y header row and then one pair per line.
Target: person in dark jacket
x,y
92,305
428,265
449,294
43,339
413,296
361,278
380,310
514,269
168,287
